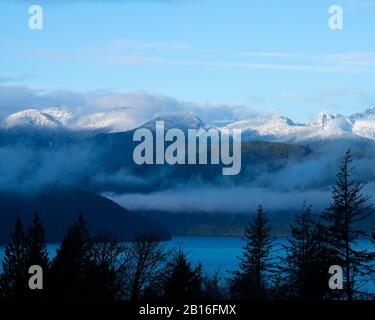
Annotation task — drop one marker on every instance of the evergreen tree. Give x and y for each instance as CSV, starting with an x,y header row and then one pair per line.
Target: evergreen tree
x,y
73,265
14,280
249,281
182,280
36,246
348,207
305,266
36,251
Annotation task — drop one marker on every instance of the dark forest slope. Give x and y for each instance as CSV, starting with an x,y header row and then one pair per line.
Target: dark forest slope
x,y
59,209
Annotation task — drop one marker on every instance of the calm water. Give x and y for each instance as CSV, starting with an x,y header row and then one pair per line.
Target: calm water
x,y
217,253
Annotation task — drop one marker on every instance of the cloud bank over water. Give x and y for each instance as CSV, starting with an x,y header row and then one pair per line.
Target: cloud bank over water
x,y
223,200
228,200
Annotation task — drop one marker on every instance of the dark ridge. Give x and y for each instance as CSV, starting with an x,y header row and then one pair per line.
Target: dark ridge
x,y
59,209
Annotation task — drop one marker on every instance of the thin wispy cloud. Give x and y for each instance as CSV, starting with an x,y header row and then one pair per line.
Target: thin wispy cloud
x,y
133,44
4,80
360,4
359,58
283,55
326,98
52,54
301,96
134,52
145,60
12,80
335,62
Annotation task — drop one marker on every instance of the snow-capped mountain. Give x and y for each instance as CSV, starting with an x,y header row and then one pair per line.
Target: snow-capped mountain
x,y
54,120
31,118
324,127
59,114
369,113
98,122
267,127
183,121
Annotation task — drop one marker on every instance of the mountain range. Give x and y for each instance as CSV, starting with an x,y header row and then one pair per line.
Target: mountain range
x,y
324,127
57,149
44,150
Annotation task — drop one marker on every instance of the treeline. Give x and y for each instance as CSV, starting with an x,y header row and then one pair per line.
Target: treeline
x,y
317,243
102,268
99,268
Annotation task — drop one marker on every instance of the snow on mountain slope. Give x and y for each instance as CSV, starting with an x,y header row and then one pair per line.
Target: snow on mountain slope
x,y
365,128
325,126
57,119
31,118
358,125
59,114
367,114
183,121
99,122
364,123
272,127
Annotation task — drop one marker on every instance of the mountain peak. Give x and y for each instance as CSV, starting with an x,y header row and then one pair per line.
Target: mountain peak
x,y
270,126
323,119
179,120
59,114
31,118
368,113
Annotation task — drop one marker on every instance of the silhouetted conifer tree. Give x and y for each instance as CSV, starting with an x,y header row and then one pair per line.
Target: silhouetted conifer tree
x,y
182,280
73,265
14,280
348,207
250,280
303,272
36,251
36,246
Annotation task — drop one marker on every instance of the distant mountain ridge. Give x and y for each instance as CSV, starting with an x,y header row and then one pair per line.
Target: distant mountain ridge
x,y
57,120
325,127
104,162
31,119
183,121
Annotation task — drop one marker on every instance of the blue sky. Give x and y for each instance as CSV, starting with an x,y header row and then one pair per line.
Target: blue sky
x,y
267,56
